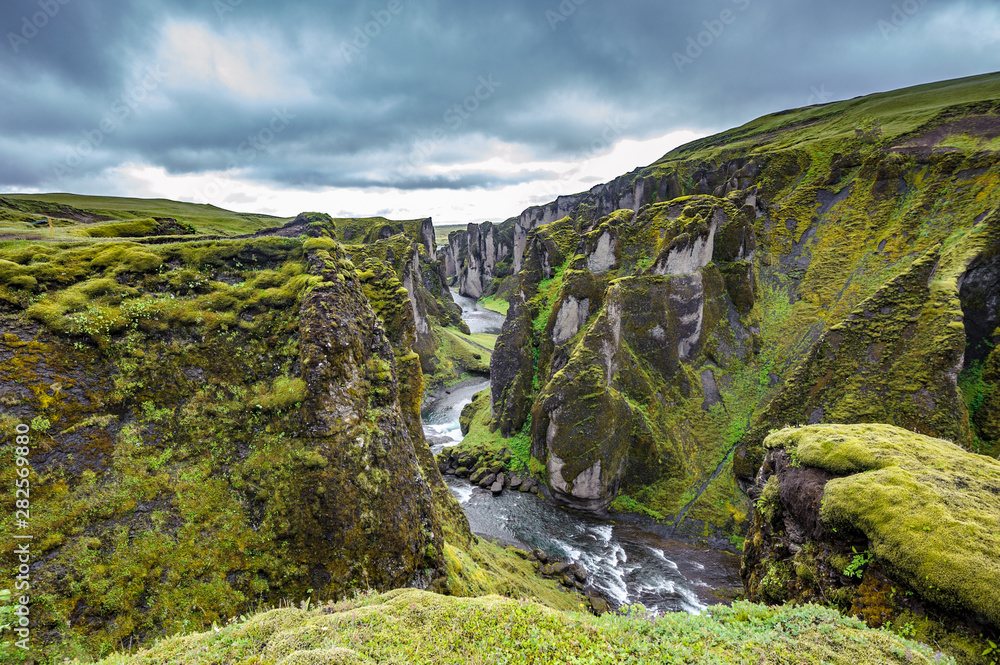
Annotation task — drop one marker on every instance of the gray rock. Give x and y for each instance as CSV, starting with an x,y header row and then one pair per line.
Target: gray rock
x,y
560,567
497,488
597,604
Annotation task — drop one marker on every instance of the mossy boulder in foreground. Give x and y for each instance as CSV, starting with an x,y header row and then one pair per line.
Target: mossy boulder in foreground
x,y
410,626
891,524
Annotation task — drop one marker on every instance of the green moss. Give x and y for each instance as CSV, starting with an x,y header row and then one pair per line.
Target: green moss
x,y
132,229
488,444
410,626
928,508
187,480
284,392
769,503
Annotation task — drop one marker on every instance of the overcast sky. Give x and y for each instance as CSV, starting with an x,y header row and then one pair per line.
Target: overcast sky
x,y
464,111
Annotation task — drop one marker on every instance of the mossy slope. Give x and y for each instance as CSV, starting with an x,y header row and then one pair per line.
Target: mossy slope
x,y
837,290
929,509
77,216
410,626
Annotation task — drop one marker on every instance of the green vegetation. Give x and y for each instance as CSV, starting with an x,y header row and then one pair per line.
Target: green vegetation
x,y
457,355
481,568
899,113
928,508
410,626
491,447
441,232
369,230
181,392
75,216
496,304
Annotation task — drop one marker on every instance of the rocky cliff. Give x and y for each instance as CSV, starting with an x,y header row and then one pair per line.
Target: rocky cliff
x,y
409,248
832,264
212,424
479,258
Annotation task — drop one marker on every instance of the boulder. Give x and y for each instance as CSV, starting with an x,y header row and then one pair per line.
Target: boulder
x,y
598,605
560,567
879,505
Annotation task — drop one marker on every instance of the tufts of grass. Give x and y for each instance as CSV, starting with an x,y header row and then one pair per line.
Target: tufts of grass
x,y
416,627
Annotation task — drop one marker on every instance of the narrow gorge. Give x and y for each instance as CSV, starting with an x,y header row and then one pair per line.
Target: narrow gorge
x,y
753,386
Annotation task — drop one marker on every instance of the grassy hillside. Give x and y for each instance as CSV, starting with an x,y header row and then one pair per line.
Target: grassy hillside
x,y
72,214
910,114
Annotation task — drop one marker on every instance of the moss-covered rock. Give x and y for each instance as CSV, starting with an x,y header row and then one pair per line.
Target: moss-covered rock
x,y
223,424
611,318
884,522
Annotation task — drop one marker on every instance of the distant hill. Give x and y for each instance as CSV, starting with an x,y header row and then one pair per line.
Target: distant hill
x,y
73,215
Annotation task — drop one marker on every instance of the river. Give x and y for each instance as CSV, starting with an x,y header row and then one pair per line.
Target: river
x,y
628,563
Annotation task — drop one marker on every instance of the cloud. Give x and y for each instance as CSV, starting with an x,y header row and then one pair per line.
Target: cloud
x,y
406,98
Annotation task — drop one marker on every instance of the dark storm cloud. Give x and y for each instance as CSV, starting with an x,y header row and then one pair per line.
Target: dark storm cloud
x,y
376,93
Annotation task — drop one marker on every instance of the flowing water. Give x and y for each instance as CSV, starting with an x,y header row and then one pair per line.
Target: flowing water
x,y
628,563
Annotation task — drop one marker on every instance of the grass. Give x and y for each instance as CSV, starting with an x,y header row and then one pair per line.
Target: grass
x,y
415,627
68,210
441,232
495,304
458,355
490,447
898,112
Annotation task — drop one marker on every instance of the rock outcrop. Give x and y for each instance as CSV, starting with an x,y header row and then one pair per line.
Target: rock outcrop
x,y
488,256
478,259
615,333
895,527
213,425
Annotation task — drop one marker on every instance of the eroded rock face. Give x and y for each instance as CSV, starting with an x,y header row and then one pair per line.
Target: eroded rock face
x,y
608,344
571,316
453,254
898,333
487,249
214,457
